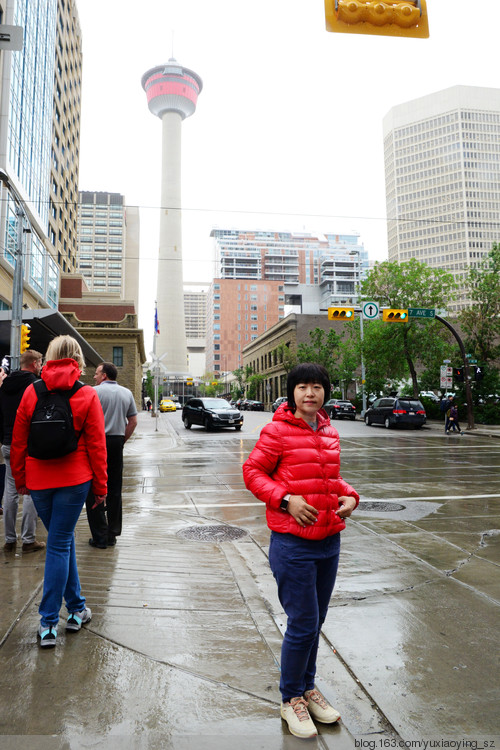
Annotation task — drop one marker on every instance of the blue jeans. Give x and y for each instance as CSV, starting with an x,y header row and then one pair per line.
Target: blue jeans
x,y
305,572
60,509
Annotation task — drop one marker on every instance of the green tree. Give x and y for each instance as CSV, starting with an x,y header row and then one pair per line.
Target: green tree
x,y
287,358
481,320
150,389
401,345
253,383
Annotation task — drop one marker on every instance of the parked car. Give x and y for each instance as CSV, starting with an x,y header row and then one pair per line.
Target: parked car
x,y
166,404
396,411
431,395
336,408
251,405
278,402
211,413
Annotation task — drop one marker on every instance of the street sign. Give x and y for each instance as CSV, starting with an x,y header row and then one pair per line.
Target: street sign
x,y
421,312
370,310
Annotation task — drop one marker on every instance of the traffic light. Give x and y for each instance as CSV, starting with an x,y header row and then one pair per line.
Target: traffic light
x,y
458,374
25,337
395,316
340,313
382,17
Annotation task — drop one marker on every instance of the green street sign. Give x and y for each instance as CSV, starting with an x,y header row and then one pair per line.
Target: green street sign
x,y
421,312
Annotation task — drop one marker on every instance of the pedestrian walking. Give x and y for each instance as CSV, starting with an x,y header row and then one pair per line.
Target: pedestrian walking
x,y
11,393
60,485
294,469
445,406
453,424
120,419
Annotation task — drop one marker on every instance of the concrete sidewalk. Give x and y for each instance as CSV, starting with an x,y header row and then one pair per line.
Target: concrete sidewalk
x,y
184,643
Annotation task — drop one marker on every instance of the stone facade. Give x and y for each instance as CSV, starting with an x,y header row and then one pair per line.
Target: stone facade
x,y
109,325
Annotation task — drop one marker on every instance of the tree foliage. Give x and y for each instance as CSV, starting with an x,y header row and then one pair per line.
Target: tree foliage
x,y
392,350
481,320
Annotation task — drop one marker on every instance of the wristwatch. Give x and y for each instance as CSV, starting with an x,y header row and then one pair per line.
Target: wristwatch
x,y
284,502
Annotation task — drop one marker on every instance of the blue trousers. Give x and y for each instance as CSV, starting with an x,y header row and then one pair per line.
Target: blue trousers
x,y
305,572
60,509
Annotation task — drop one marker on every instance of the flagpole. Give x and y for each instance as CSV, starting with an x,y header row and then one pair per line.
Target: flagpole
x,y
156,368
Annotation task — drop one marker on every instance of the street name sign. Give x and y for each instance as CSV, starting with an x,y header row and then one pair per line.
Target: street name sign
x,y
370,310
421,312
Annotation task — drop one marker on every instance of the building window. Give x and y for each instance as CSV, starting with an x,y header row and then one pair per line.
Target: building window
x,y
118,356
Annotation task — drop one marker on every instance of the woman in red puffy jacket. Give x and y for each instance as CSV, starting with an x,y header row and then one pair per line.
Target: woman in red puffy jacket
x,y
59,486
294,469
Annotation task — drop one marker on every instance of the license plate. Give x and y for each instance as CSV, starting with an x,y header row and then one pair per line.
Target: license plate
x,y
230,421
411,413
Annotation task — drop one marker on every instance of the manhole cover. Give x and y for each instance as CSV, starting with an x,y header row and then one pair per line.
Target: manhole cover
x,y
211,533
380,507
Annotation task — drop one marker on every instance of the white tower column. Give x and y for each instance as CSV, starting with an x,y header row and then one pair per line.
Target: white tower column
x,y
172,337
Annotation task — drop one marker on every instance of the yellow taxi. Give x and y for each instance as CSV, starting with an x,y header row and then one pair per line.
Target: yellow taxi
x,y
166,404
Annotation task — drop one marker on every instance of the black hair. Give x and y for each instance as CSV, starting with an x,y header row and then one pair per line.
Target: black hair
x,y
306,372
110,370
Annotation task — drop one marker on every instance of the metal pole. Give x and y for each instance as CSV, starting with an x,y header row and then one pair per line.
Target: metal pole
x,y
362,365
17,293
468,392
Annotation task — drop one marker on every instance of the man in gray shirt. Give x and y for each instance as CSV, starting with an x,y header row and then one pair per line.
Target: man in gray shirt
x,y
120,420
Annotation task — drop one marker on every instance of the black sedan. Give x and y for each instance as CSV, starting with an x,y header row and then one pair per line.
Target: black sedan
x,y
211,413
250,405
336,408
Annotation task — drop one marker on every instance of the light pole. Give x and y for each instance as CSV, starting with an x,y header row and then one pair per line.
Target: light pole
x,y
361,333
18,276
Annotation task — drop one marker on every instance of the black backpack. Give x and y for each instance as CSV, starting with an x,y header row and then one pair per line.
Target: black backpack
x,y
52,433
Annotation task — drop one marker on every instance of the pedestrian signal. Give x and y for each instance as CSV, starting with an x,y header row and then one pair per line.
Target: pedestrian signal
x,y
385,18
479,373
25,337
340,313
395,316
458,374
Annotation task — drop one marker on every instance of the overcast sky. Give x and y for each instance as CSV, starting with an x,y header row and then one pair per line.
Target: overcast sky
x,y
288,129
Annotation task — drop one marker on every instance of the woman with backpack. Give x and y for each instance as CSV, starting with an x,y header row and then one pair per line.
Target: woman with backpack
x,y
60,481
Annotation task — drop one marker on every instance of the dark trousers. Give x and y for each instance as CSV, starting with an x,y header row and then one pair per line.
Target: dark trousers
x,y
106,522
305,571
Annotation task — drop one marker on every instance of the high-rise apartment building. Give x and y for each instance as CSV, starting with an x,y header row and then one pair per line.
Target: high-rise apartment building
x,y
108,244
195,315
442,173
39,146
284,272
238,310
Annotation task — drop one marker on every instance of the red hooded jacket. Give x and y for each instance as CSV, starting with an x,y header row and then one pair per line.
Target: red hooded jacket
x,y
88,462
292,458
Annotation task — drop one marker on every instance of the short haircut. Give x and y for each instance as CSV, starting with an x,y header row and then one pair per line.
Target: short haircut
x,y
28,357
110,370
307,372
66,347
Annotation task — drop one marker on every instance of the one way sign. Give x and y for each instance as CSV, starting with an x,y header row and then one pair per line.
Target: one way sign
x,y
370,310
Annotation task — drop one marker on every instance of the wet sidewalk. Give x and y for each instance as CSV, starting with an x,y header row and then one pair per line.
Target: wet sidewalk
x,y
183,648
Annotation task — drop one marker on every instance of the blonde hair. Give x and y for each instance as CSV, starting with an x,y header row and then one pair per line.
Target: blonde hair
x,y
66,347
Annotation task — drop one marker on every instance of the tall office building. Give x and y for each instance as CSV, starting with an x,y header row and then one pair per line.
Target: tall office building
x,y
108,244
39,146
442,173
172,93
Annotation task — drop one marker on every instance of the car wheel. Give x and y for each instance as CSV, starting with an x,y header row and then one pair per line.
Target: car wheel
x,y
208,425
187,423
387,423
352,419
238,427
367,421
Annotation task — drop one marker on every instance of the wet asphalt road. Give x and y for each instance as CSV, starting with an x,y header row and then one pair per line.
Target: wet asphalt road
x,y
183,648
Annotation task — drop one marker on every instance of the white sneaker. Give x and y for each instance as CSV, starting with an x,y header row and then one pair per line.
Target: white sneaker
x,y
319,707
297,717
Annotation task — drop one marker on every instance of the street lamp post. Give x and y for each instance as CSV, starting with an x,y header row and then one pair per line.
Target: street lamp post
x,y
18,276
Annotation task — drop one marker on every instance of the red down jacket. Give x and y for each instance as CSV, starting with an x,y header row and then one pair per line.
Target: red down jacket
x,y
88,462
291,458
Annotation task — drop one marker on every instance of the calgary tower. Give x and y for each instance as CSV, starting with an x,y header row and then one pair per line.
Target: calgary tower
x,y
172,92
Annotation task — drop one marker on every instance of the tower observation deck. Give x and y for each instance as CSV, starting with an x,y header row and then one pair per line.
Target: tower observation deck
x,y
172,93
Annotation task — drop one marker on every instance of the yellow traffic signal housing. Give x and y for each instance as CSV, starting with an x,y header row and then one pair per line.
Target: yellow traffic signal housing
x,y
395,316
340,313
25,337
382,17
